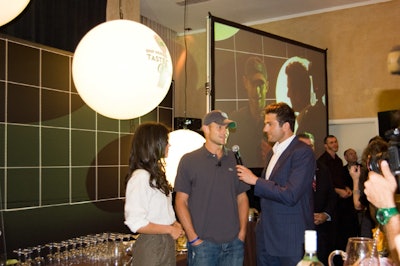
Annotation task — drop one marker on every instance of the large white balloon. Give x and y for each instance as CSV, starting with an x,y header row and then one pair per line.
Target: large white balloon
x,y
122,69
10,9
182,141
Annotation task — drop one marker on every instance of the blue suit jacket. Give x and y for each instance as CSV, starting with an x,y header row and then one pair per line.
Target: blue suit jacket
x,y
286,201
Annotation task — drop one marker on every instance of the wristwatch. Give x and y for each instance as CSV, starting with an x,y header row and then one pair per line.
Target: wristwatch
x,y
383,215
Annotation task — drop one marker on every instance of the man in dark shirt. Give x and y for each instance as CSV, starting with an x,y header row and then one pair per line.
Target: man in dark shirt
x,y
211,203
346,223
324,203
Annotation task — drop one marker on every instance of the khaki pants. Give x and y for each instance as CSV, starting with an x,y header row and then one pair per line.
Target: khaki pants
x,y
154,250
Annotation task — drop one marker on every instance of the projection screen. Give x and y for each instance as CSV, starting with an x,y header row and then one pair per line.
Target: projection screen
x,y
249,69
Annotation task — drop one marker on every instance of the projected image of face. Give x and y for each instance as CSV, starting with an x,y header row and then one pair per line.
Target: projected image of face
x,y
298,85
256,84
295,86
295,96
256,87
250,116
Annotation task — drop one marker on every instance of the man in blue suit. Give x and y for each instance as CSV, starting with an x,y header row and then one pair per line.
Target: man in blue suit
x,y
285,191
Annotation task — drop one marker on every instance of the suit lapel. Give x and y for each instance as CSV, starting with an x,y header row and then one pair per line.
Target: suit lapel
x,y
282,158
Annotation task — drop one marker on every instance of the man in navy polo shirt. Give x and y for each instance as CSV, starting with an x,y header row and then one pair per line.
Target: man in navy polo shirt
x,y
211,202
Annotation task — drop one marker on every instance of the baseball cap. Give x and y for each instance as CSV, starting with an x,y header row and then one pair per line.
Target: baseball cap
x,y
254,65
219,117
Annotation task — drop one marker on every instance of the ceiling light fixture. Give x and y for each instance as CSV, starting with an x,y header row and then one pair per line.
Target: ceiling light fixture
x,y
122,69
183,140
10,9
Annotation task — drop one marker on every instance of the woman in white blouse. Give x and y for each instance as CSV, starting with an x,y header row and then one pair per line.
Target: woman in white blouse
x,y
148,205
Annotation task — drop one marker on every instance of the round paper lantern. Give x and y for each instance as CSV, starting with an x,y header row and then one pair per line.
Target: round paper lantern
x,y
10,9
122,69
182,141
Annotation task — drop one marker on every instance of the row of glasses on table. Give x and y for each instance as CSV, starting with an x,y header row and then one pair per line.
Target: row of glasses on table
x,y
95,249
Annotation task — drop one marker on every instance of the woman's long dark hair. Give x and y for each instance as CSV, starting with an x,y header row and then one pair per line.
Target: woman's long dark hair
x,y
376,147
148,149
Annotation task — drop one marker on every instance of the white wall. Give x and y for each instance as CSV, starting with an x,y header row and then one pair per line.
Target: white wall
x,y
353,133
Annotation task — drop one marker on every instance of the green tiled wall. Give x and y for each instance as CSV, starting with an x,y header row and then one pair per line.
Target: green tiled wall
x,y
56,154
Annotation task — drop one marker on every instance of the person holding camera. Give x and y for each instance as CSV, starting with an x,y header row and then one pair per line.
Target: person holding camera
x,y
380,190
359,174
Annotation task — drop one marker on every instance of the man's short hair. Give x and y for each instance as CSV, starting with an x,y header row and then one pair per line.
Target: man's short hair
x,y
306,135
346,151
328,137
284,113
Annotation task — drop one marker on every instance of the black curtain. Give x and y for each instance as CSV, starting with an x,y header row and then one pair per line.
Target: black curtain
x,y
57,23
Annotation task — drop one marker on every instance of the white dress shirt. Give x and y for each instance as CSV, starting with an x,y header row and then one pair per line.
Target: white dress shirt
x,y
144,204
278,149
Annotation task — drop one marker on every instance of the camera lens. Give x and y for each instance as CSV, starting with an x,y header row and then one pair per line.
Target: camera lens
x,y
374,162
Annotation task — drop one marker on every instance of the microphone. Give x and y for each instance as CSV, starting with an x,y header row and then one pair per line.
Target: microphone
x,y
219,164
235,149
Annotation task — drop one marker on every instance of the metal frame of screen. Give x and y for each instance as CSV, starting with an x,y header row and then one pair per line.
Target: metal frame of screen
x,y
249,69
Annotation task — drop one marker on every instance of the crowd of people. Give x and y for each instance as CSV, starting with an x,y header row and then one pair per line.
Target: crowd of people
x,y
297,190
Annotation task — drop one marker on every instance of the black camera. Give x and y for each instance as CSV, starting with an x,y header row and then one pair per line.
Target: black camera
x,y
392,155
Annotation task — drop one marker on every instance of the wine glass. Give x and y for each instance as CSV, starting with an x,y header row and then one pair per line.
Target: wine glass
x,y
19,255
38,260
49,256
57,255
73,252
27,257
118,250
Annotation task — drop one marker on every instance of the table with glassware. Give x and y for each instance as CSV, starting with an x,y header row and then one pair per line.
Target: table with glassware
x,y
106,249
96,249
